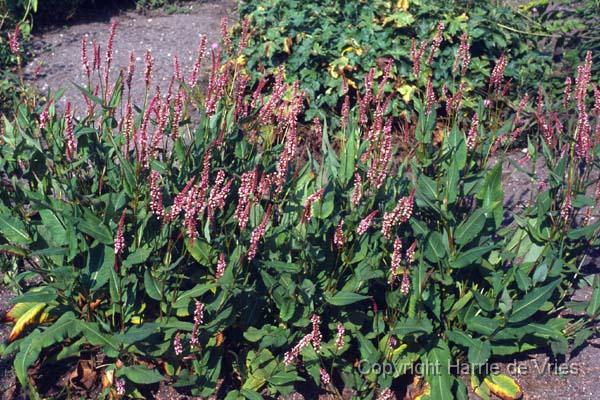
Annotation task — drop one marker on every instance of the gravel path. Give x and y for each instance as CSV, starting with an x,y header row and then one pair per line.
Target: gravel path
x,y
57,63
57,53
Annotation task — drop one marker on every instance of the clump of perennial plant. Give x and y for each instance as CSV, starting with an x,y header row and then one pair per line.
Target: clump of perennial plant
x,y
198,237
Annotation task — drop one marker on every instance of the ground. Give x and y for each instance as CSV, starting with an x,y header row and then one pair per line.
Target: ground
x,y
57,63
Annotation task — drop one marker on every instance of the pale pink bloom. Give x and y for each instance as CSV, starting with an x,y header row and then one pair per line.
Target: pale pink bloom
x,y
258,233
498,73
463,55
416,56
430,99
199,57
405,285
357,192
345,112
325,378
198,320
44,116
221,265
410,253
437,41
96,56
396,260
291,356
399,215
364,225
567,93
313,198
339,338
85,62
120,387
177,346
130,69
13,40
385,394
245,191
338,236
316,332
225,34
473,132
119,239
156,199
149,65
71,142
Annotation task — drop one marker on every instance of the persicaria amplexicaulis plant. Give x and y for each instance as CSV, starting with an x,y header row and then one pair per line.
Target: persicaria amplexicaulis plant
x,y
200,238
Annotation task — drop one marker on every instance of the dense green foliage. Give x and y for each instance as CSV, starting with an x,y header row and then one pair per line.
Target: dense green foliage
x,y
210,236
320,42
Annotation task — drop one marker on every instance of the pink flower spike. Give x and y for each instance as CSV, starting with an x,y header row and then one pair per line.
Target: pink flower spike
x,y
13,40
119,239
338,236
313,198
339,338
221,265
258,233
71,143
366,223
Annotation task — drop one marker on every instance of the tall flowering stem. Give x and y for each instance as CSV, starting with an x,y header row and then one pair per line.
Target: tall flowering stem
x,y
257,234
71,143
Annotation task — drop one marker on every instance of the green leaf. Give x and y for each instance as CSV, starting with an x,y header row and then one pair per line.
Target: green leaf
x,y
141,375
531,302
594,305
436,249
409,326
151,286
283,378
491,192
283,266
29,351
343,298
92,333
586,231
469,229
138,257
54,226
13,230
184,298
471,256
97,230
479,353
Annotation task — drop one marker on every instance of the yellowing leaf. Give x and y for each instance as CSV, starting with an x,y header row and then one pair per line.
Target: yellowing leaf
x,y
402,4
482,391
503,386
407,92
287,45
31,317
241,60
16,312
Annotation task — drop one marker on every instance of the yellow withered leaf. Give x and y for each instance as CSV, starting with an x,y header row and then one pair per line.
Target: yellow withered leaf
x,y
220,338
32,316
503,386
407,92
482,391
287,45
402,4
16,312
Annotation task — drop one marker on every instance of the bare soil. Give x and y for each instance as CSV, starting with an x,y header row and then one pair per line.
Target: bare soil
x,y
57,63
